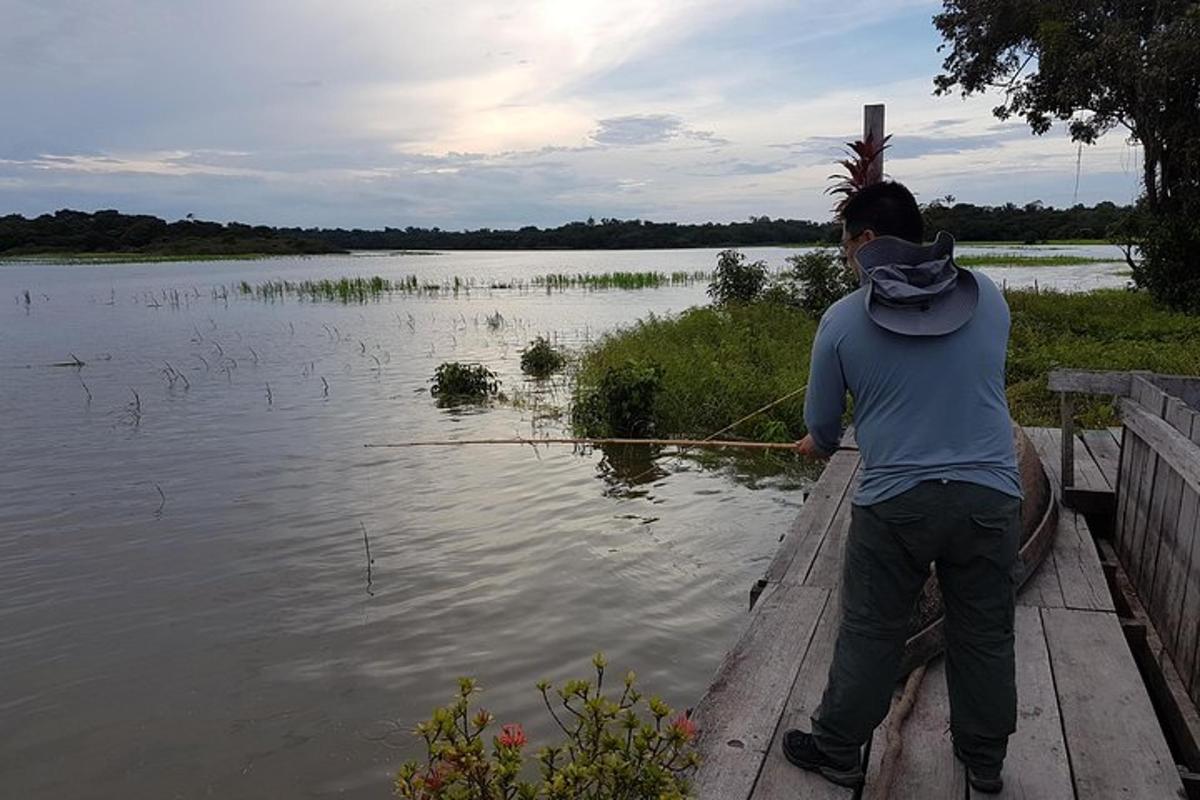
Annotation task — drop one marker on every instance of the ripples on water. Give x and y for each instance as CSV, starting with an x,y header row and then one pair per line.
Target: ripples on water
x,y
225,641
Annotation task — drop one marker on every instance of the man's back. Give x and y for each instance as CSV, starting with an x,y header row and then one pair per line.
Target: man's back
x,y
925,407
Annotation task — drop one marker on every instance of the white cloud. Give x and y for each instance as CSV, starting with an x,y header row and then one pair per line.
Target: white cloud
x,y
466,112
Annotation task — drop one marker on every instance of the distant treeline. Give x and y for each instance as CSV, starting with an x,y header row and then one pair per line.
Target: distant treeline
x,y
113,232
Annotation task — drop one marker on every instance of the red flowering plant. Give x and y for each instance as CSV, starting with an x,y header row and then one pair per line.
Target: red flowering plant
x,y
614,747
862,155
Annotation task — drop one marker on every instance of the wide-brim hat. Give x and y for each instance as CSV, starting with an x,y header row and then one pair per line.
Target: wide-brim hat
x,y
915,289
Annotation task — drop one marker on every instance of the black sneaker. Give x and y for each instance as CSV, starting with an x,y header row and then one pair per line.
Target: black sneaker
x,y
984,781
800,749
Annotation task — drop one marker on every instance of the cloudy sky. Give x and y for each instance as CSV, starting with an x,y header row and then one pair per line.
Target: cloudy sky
x,y
463,113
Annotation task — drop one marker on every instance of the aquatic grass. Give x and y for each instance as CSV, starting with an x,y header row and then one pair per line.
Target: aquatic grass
x,y
360,289
455,382
540,359
721,364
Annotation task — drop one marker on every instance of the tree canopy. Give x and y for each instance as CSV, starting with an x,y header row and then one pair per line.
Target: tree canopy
x,y
1098,65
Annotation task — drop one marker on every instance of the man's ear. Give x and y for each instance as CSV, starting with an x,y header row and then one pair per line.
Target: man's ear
x,y
867,235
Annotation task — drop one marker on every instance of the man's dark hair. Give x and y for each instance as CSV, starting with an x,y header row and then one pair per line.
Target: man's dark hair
x,y
888,209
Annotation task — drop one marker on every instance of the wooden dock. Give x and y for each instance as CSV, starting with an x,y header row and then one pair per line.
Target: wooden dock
x,y
1087,725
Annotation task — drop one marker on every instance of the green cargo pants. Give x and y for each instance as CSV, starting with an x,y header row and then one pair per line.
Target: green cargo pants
x,y
972,534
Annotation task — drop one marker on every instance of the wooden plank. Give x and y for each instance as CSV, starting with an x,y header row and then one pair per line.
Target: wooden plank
x,y
1079,572
926,766
1185,387
1113,738
1048,443
1139,513
802,541
1173,543
1042,589
1167,689
1165,491
826,569
739,712
780,778
1146,394
873,132
1088,381
1067,440
1179,452
1133,460
1181,618
1088,473
1037,766
1105,451
849,439
1188,647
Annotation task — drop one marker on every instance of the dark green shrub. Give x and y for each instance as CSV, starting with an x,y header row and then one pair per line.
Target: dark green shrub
x,y
735,281
455,382
621,403
540,359
1168,269
814,281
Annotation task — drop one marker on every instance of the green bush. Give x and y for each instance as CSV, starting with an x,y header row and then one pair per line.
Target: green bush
x,y
720,364
620,401
735,281
540,359
613,748
455,382
1167,268
813,282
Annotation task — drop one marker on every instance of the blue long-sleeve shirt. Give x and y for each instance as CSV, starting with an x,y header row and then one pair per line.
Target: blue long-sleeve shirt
x,y
925,407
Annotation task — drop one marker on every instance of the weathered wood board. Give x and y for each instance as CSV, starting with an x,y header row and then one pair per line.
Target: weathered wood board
x,y
1105,450
1116,746
926,766
738,715
779,778
1037,767
802,541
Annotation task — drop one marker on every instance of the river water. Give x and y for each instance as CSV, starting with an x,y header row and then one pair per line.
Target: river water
x,y
186,604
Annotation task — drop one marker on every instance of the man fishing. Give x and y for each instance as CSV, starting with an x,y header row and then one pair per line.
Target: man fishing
x,y
921,348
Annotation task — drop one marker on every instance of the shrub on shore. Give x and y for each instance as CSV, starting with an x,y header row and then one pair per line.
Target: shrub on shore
x,y
719,364
735,281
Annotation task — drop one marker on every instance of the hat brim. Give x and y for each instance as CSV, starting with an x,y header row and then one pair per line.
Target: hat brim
x,y
937,317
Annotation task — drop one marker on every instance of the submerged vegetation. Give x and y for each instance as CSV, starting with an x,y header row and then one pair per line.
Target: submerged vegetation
x,y
540,359
454,382
360,290
715,365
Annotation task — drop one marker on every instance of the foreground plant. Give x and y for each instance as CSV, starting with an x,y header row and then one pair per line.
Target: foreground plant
x,y
613,749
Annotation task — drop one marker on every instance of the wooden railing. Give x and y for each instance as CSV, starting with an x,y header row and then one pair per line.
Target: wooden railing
x,y
1156,529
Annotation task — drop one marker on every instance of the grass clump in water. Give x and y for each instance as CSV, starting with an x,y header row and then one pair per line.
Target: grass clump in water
x,y
455,382
540,359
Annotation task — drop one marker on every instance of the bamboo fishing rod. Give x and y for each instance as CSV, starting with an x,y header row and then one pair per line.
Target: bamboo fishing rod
x,y
715,443
708,441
